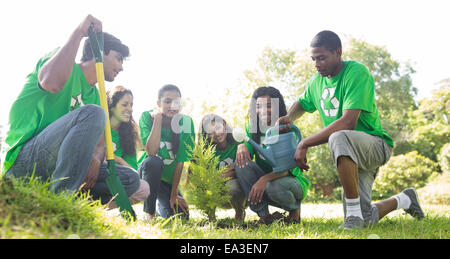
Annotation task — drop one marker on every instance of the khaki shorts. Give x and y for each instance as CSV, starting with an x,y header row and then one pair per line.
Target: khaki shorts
x,y
369,153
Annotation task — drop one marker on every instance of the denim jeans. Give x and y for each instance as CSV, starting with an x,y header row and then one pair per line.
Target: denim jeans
x,y
62,152
151,170
128,177
285,192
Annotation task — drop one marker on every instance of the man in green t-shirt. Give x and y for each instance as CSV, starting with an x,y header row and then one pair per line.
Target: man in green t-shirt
x,y
343,94
56,125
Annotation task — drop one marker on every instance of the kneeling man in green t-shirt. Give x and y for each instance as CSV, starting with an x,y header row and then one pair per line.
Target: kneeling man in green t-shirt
x,y
56,124
343,94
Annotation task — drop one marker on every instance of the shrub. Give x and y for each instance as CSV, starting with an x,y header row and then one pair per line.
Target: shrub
x,y
444,158
403,171
206,188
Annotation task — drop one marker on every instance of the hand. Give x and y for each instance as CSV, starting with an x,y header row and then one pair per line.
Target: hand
x,y
91,176
83,28
157,114
242,156
300,156
284,120
257,191
179,202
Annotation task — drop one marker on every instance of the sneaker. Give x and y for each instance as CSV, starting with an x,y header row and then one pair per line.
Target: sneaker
x,y
267,220
352,222
414,209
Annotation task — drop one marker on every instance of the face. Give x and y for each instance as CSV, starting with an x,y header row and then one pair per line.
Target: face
x,y
112,65
170,103
264,109
216,132
325,61
124,109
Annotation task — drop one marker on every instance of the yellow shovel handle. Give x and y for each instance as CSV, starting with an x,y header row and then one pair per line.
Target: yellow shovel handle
x,y
104,104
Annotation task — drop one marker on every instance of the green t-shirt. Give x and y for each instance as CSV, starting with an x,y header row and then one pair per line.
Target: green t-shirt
x,y
266,167
228,155
187,137
118,151
351,88
35,108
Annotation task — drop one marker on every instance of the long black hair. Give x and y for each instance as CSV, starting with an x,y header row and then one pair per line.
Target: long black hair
x,y
128,131
254,122
207,119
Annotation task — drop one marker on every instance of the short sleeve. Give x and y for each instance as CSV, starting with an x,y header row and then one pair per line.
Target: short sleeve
x,y
306,100
358,89
145,126
187,140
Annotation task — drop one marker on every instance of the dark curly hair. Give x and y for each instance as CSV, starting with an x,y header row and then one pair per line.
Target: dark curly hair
x,y
128,131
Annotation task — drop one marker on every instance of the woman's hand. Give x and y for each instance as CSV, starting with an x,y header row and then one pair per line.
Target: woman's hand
x,y
257,191
242,156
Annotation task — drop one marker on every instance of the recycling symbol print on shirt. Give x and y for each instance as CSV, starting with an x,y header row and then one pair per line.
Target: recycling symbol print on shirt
x,y
329,103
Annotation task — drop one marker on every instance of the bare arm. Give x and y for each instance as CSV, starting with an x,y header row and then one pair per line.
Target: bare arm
x,y
346,122
94,167
121,161
154,139
257,191
55,72
175,200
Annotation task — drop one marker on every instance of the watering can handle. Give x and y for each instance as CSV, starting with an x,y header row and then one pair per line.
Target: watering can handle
x,y
297,130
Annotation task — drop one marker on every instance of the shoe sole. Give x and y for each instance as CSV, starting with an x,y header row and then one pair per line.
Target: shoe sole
x,y
416,196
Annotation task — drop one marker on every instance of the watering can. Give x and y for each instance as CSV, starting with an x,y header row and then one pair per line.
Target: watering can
x,y
280,148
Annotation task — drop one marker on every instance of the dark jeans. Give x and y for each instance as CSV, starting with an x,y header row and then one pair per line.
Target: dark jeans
x,y
151,170
62,152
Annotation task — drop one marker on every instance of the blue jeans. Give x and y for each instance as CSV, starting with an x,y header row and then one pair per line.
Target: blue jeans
x,y
151,170
285,192
62,153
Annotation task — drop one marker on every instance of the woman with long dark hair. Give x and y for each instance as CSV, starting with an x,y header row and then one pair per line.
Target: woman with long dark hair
x,y
166,135
124,130
263,187
216,130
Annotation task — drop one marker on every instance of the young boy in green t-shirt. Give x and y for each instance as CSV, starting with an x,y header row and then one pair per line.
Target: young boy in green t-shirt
x,y
343,93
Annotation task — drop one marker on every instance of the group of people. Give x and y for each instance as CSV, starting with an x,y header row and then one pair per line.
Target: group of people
x,y
57,126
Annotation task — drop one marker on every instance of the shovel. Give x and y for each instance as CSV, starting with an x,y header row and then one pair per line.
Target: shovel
x,y
112,180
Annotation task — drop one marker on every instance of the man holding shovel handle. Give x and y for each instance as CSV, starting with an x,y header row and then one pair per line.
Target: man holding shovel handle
x,y
57,126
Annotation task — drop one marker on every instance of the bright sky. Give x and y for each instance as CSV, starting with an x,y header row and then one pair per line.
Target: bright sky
x,y
207,44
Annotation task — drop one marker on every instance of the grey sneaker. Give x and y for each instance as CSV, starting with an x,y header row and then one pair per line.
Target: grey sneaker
x,y
414,209
352,222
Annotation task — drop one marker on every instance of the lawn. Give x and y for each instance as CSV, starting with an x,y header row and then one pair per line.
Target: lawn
x,y
29,210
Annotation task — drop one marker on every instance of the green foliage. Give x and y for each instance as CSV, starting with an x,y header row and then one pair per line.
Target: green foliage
x,y
429,139
29,210
444,158
206,188
430,129
393,84
408,170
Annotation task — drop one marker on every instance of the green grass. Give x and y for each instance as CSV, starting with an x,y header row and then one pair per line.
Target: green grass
x,y
29,210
